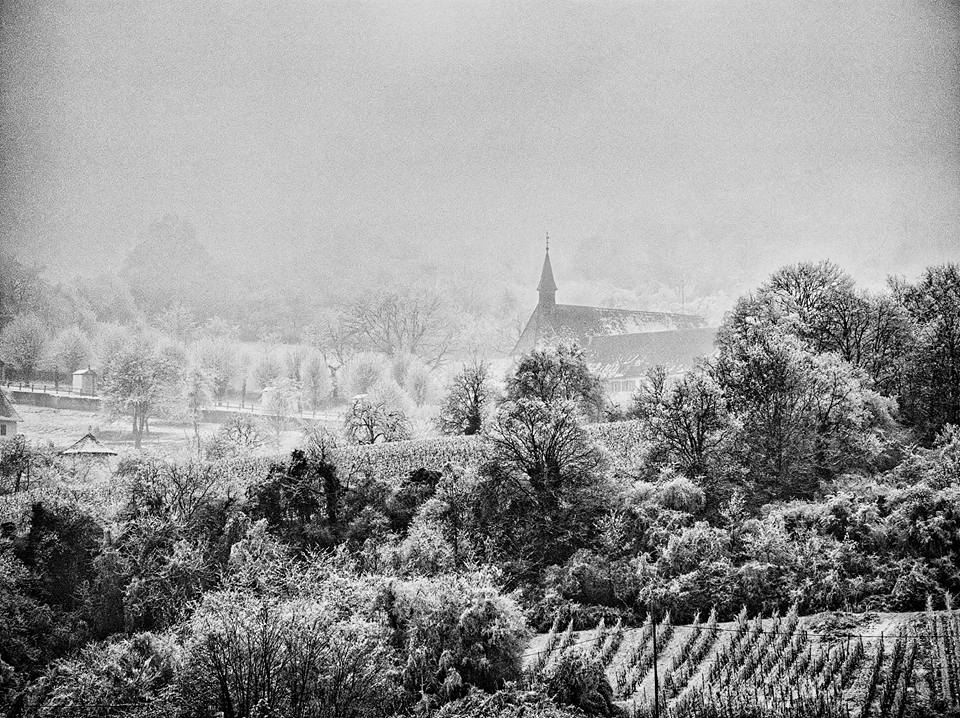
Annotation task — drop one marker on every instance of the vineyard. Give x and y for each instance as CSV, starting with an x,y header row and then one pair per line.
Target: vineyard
x,y
856,665
621,440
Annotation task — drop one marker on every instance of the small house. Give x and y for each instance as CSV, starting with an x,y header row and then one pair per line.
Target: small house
x,y
85,381
87,447
8,417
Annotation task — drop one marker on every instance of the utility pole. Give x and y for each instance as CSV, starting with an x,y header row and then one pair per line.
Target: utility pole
x,y
656,674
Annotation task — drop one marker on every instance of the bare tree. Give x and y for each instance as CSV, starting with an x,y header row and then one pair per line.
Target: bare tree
x,y
394,323
467,401
371,422
280,403
197,395
333,338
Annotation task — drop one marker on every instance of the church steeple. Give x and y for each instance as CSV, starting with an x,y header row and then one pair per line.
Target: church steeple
x,y
547,287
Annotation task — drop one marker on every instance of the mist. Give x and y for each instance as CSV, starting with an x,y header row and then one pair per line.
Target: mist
x,y
700,144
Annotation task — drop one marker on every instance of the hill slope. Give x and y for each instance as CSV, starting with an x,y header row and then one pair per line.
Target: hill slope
x,y
873,664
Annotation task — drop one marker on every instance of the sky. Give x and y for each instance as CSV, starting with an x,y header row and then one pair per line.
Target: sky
x,y
656,141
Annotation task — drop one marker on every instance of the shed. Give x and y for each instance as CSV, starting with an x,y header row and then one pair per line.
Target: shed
x,y
85,381
87,446
8,416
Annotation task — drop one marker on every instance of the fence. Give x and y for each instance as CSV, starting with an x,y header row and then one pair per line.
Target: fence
x,y
43,387
66,397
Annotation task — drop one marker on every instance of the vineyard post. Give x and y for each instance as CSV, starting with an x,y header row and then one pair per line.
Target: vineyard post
x,y
656,676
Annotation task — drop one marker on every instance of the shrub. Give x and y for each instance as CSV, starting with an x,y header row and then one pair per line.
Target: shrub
x,y
291,656
507,703
456,627
577,678
129,671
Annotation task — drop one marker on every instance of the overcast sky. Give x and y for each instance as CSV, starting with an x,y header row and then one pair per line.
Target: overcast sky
x,y
763,132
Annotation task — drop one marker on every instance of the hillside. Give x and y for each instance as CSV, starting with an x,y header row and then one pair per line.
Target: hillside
x,y
861,664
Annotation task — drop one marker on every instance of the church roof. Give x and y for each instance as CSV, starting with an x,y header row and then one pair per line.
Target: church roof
x,y
616,340
631,354
547,282
595,321
577,323
6,408
87,445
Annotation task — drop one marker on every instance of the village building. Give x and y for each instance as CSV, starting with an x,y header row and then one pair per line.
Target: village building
x,y
8,417
85,381
621,345
88,447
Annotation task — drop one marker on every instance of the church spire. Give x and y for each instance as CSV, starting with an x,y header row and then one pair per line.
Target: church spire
x,y
547,287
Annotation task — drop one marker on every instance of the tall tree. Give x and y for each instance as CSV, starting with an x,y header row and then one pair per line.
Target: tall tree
x,y
542,464
805,416
556,375
21,288
394,323
138,380
931,397
196,396
219,360
819,303
22,343
468,400
68,351
168,265
687,420
280,402
316,379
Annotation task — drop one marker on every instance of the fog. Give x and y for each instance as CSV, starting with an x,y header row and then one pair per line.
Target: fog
x,y
660,143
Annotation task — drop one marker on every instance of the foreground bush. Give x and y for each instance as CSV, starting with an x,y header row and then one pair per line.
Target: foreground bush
x,y
299,658
508,703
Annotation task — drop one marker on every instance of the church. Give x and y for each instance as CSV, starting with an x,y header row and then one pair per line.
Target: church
x,y
621,345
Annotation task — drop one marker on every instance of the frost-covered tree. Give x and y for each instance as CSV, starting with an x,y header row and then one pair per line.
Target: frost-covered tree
x,y
219,360
371,421
266,371
395,323
196,394
316,379
238,436
22,344
931,395
804,416
468,400
177,321
140,379
555,375
819,303
686,419
361,373
68,351
280,403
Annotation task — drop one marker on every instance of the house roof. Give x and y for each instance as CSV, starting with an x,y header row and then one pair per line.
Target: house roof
x,y
87,445
6,408
88,370
631,354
